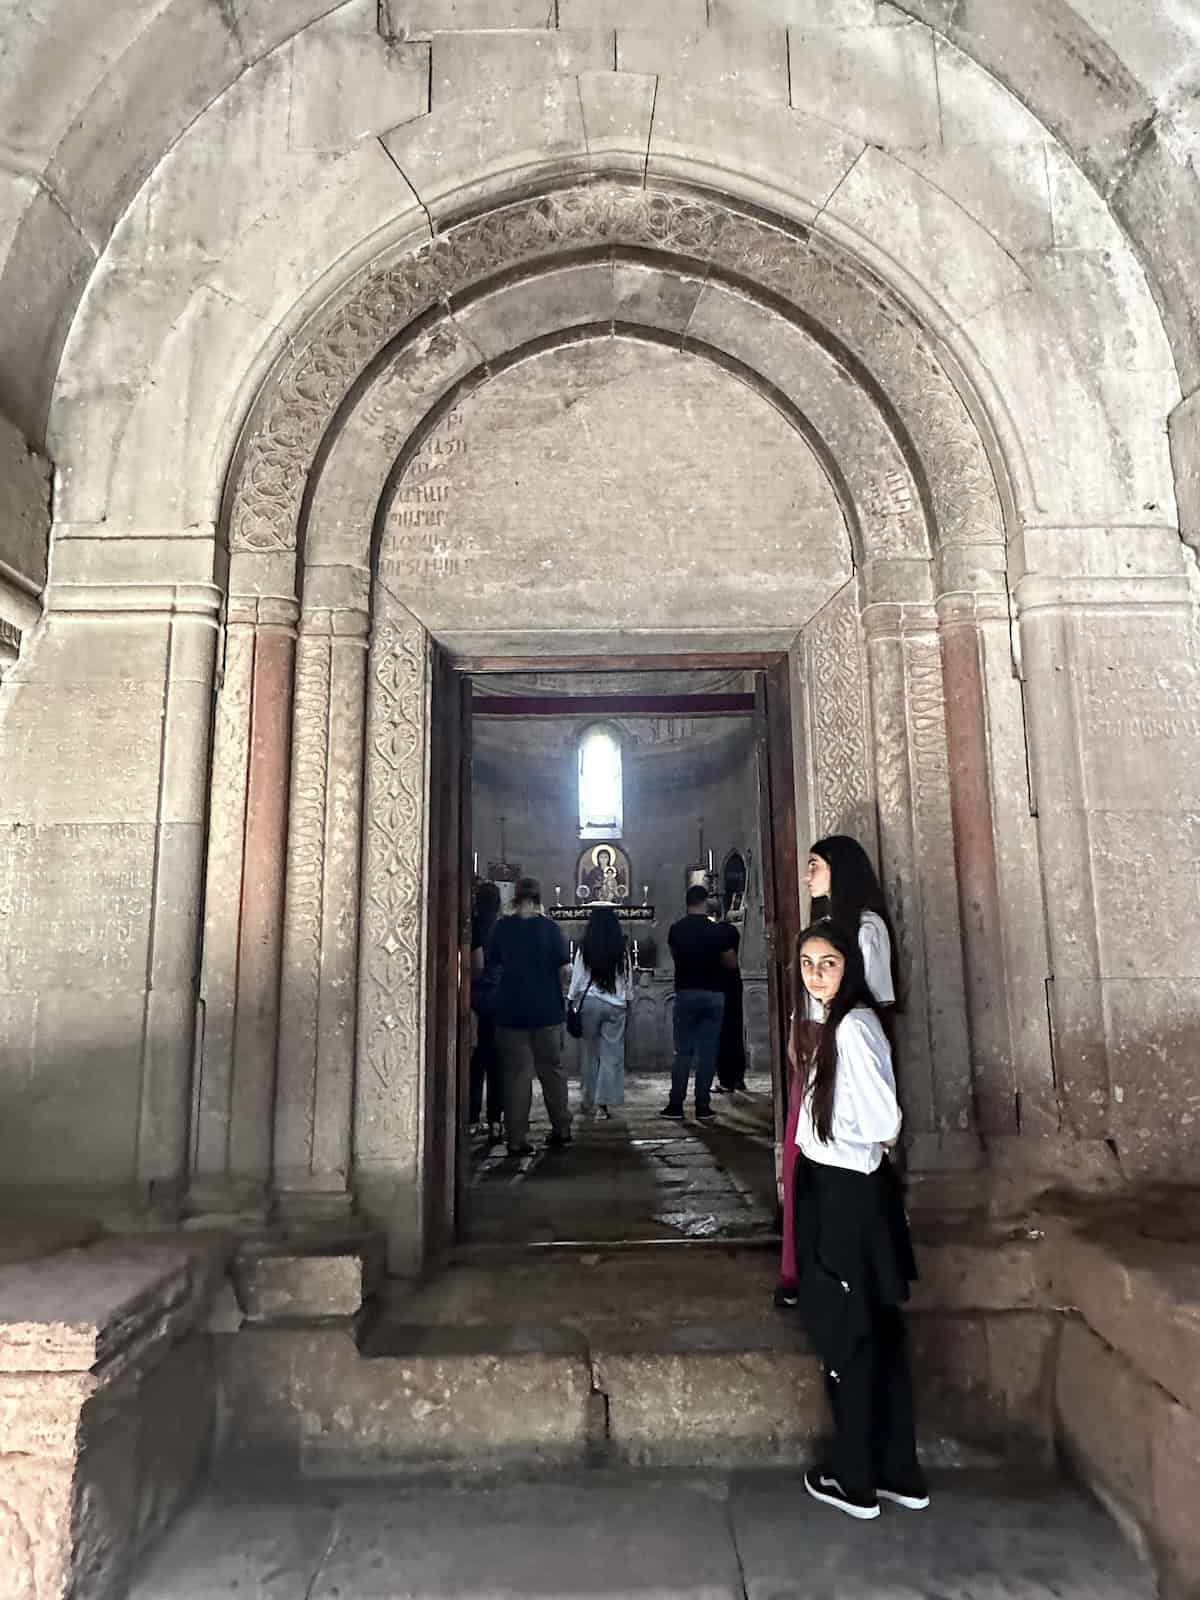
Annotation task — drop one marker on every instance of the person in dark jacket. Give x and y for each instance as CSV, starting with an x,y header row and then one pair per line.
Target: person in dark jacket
x,y
485,989
534,962
853,1254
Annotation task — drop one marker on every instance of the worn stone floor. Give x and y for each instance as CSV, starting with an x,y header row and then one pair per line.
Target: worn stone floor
x,y
636,1178
639,1536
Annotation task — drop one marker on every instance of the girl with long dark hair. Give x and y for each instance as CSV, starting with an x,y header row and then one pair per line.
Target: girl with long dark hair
x,y
853,1253
599,984
844,888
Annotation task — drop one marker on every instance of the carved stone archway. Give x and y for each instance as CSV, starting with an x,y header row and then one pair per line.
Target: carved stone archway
x,y
930,594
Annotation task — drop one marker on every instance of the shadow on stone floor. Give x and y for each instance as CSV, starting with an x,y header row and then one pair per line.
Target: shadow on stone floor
x,y
624,1536
637,1177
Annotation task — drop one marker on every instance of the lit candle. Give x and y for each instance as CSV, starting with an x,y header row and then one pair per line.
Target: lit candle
x,y
710,860
475,863
645,894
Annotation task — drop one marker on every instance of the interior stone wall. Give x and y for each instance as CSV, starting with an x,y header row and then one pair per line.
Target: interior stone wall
x,y
629,484
167,270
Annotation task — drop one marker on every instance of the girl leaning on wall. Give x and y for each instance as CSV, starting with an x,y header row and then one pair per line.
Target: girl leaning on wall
x,y
842,885
853,1255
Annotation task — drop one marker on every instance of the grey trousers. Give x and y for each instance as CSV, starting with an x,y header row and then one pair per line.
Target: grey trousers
x,y
525,1051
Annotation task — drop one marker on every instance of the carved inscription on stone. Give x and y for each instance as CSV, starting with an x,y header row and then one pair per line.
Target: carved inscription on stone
x,y
74,905
614,484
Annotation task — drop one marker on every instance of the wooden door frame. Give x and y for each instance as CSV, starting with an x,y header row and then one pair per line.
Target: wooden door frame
x,y
450,845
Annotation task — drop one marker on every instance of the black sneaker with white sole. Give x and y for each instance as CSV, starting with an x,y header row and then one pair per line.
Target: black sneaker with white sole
x,y
912,1495
829,1492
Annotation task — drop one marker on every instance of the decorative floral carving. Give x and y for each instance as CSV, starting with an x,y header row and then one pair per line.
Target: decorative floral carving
x,y
391,977
300,998
821,282
834,673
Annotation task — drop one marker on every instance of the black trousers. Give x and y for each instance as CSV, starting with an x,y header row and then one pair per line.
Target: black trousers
x,y
872,1401
486,1068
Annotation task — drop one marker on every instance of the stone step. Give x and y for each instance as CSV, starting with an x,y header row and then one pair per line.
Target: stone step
x,y
668,1358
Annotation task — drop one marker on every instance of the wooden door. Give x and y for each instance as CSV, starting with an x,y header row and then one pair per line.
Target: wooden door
x,y
781,874
448,973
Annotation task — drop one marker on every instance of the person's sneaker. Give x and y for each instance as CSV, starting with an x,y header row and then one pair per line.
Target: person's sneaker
x,y
705,1113
670,1111
557,1139
786,1297
520,1149
829,1492
912,1495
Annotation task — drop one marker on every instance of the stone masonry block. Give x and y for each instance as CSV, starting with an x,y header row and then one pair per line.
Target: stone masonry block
x,y
300,1285
466,64
35,1527
1142,1296
401,19
714,1407
24,510
1175,1468
176,1407
1107,1417
877,83
72,1312
741,60
307,1396
1184,431
671,16
989,1273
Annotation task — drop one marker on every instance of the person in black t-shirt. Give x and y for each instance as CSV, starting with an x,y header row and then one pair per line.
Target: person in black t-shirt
x,y
704,953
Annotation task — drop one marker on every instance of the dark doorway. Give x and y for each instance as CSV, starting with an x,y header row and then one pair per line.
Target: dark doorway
x,y
680,723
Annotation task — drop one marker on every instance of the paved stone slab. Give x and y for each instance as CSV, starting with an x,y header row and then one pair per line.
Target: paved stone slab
x,y
984,1536
268,1546
656,1536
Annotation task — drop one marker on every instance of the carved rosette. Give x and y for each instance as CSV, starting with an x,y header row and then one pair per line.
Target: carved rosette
x,y
391,969
817,278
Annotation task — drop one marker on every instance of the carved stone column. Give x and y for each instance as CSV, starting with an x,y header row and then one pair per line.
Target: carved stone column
x,y
315,1089
389,1090
917,850
244,905
999,884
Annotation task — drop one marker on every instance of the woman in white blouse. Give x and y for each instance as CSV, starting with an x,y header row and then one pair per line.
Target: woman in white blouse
x,y
599,985
843,887
842,884
853,1253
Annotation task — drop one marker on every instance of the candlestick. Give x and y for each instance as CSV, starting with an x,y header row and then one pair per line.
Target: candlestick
x,y
645,894
635,953
475,862
710,860
558,894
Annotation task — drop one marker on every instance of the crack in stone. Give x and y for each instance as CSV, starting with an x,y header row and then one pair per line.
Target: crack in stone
x,y
410,187
650,134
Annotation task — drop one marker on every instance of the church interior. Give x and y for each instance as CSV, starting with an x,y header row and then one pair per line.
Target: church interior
x,y
618,442
623,789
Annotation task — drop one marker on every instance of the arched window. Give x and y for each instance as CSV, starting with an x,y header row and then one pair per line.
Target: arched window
x,y
600,799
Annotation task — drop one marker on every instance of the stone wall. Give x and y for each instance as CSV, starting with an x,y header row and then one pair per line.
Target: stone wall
x,y
178,275
107,1405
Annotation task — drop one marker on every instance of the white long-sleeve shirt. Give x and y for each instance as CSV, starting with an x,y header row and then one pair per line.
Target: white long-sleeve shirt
x,y
866,1114
876,949
581,977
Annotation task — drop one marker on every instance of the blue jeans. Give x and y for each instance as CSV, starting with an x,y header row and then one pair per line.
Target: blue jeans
x,y
697,1030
